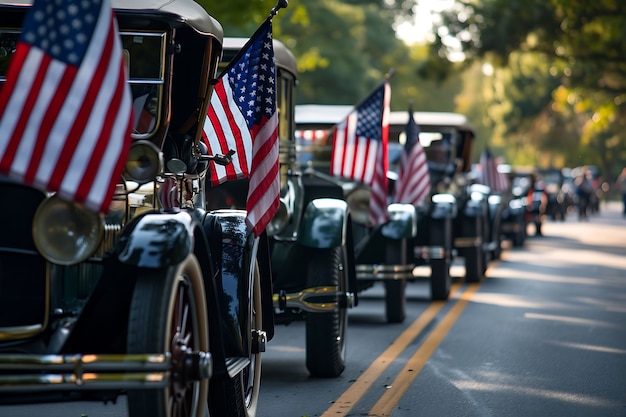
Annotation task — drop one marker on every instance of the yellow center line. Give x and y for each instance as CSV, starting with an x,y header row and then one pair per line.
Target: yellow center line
x,y
392,396
353,394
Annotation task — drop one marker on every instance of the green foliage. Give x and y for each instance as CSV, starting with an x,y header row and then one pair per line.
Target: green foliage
x,y
239,17
345,48
561,78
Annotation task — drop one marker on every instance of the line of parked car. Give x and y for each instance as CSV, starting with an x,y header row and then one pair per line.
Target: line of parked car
x,y
173,306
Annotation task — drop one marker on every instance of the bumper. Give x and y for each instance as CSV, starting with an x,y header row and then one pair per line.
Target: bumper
x,y
20,373
384,272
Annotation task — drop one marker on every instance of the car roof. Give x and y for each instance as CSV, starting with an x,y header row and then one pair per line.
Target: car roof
x,y
431,118
327,114
282,55
186,12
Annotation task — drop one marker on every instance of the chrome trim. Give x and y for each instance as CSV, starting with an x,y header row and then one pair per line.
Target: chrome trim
x,y
83,372
381,272
429,252
468,242
301,300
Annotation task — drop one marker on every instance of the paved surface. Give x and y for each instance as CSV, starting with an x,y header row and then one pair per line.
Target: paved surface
x,y
543,335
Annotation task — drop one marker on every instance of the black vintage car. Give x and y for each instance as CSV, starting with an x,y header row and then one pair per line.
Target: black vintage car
x,y
514,218
458,220
166,303
453,221
560,200
311,244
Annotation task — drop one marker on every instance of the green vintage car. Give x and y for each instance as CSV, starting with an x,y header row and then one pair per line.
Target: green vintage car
x,y
311,243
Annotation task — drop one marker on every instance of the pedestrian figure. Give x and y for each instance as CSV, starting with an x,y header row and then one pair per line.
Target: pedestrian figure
x,y
584,188
621,186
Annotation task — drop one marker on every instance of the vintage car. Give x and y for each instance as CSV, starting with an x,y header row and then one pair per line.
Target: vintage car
x,y
514,221
453,221
311,245
160,299
528,185
560,199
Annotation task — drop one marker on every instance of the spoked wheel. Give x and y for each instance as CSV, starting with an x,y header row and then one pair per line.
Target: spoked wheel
x,y
326,332
168,314
239,396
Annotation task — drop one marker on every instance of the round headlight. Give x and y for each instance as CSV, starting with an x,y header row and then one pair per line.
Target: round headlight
x,y
279,221
144,162
66,233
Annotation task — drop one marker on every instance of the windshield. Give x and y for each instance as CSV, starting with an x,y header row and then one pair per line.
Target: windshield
x,y
144,58
144,54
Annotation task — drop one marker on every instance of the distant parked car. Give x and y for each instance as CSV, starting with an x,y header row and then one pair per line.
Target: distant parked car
x,y
453,222
559,200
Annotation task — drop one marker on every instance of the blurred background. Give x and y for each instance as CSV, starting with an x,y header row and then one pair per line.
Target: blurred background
x,y
542,81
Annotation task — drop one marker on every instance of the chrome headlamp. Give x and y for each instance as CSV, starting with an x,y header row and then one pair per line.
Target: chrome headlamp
x,y
66,233
144,162
279,221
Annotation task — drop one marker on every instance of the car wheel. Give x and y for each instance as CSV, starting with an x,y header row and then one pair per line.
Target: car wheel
x,y
440,279
520,234
239,396
395,300
395,289
168,314
326,332
474,264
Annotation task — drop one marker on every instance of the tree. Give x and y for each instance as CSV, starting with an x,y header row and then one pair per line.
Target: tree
x,y
581,46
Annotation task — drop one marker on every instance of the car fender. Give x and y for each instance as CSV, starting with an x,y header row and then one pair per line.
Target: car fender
x,y
157,240
402,222
232,255
324,223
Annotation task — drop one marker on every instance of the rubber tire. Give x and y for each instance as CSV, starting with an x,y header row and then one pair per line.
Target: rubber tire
x,y
440,279
160,301
239,396
326,332
519,238
395,300
474,264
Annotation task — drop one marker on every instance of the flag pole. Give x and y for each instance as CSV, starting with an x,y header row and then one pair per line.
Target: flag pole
x,y
279,5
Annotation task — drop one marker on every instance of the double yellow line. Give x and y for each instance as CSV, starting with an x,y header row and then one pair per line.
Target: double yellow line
x,y
344,404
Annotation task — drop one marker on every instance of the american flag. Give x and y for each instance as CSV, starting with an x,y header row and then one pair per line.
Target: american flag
x,y
242,117
66,109
413,184
489,174
360,149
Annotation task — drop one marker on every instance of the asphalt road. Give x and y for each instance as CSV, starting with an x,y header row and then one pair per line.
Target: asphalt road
x,y
543,335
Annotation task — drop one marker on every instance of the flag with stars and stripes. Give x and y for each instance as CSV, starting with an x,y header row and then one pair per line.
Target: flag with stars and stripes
x,y
243,117
489,174
66,109
413,184
360,149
